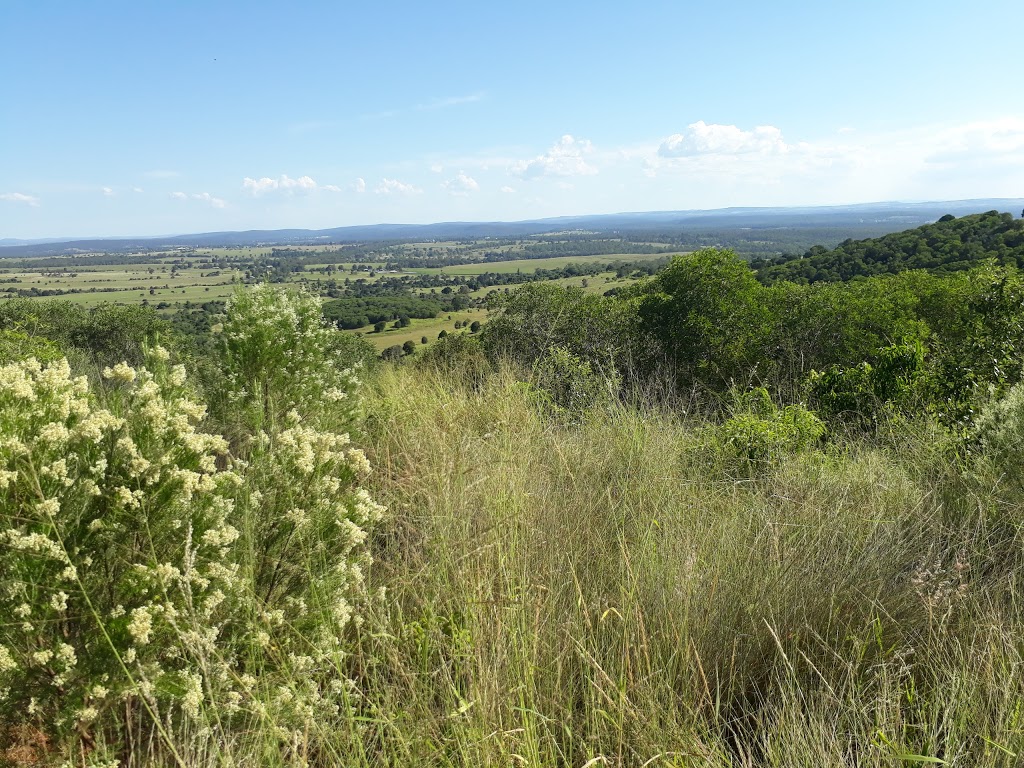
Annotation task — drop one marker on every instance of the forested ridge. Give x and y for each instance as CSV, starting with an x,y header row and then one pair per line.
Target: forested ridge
x,y
948,245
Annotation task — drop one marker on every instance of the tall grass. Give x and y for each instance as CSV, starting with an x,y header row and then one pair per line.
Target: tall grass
x,y
610,593
615,588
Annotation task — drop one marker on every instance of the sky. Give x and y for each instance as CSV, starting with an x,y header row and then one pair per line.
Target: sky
x,y
139,118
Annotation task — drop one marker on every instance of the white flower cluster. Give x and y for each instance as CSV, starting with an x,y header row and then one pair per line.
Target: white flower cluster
x,y
219,582
279,353
88,496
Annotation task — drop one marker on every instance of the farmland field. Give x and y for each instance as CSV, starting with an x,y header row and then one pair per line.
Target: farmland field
x,y
201,279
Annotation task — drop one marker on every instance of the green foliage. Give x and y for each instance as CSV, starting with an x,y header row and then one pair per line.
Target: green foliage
x,y
105,334
459,356
980,349
596,329
17,345
707,313
571,385
949,245
392,353
759,434
858,394
356,312
999,432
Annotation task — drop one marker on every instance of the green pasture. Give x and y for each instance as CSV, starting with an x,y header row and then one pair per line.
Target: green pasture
x,y
532,265
418,328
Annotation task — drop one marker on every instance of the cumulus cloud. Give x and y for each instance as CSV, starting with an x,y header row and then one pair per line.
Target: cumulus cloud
x,y
179,195
283,183
108,192
331,188
758,155
359,185
508,190
18,197
566,158
396,187
137,189
704,139
461,185
713,164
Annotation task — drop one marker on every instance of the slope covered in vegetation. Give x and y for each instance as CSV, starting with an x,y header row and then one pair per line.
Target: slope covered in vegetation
x,y
948,245
702,522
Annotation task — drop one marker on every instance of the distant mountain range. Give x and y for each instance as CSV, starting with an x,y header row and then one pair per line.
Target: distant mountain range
x,y
894,216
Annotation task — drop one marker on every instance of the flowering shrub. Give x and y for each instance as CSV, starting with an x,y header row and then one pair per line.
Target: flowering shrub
x,y
115,522
279,354
147,569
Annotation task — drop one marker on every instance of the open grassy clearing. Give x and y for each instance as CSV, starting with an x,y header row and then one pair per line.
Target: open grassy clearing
x,y
418,328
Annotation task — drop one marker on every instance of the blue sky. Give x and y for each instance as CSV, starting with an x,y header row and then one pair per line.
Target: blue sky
x,y
134,118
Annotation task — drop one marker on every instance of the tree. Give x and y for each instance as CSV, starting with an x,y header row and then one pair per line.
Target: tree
x,y
379,327
409,347
423,340
707,312
475,326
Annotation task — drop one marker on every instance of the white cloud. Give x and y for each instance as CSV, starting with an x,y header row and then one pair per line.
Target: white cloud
x,y
461,185
704,139
711,165
437,168
203,197
18,197
508,190
137,189
396,187
359,185
760,155
206,197
331,188
162,174
284,184
108,192
1002,140
451,101
566,158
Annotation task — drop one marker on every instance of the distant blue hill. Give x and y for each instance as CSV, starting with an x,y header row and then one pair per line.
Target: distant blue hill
x,y
886,216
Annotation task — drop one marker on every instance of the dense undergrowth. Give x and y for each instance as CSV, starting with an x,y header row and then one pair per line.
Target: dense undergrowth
x,y
586,560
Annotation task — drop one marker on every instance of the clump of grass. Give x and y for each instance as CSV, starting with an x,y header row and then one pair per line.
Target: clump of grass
x,y
567,593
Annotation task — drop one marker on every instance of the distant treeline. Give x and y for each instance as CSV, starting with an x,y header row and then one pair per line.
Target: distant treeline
x,y
352,313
